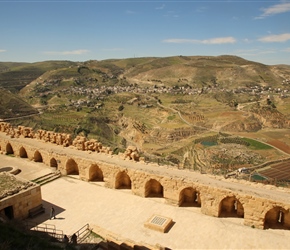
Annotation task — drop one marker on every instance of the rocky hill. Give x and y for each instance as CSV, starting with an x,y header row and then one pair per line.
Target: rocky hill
x,y
159,105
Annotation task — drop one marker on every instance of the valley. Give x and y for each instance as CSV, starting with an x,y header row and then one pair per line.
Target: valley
x,y
208,114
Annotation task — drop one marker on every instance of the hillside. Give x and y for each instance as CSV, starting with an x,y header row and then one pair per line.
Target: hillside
x,y
15,76
196,71
163,106
11,106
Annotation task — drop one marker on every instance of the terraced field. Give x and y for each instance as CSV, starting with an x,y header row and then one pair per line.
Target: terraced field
x,y
278,172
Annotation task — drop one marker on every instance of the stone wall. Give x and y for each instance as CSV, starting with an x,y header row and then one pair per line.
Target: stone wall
x,y
255,208
16,204
66,140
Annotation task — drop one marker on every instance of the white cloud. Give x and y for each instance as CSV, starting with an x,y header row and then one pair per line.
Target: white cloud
x,y
2,50
275,38
218,40
275,9
71,52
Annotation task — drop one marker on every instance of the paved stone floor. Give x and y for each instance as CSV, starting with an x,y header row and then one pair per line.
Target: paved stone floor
x,y
118,211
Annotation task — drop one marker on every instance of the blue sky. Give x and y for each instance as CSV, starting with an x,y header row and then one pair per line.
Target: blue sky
x,y
32,31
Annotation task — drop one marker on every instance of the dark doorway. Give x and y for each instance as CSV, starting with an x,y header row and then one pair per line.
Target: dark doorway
x,y
9,212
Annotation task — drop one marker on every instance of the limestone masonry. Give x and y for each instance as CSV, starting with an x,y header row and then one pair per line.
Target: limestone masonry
x,y
261,206
17,196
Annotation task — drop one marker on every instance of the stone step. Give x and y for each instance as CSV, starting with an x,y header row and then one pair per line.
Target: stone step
x,y
47,178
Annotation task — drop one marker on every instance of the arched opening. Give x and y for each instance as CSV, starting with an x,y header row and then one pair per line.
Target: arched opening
x,y
37,156
22,152
53,163
153,188
95,173
189,197
231,207
72,167
123,181
277,218
9,149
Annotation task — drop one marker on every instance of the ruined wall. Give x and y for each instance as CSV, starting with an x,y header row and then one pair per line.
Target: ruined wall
x,y
256,211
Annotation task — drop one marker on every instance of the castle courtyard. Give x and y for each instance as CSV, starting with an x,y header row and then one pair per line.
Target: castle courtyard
x,y
123,215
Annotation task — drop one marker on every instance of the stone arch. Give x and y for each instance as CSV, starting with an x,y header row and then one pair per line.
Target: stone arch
x,y
22,153
122,181
230,206
37,156
277,218
95,173
9,149
72,167
189,197
53,163
153,188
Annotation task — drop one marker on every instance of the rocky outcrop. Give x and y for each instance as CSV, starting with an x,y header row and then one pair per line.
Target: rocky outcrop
x,y
131,153
270,117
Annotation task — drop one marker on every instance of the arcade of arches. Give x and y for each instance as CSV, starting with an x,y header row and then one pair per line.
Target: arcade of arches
x,y
255,210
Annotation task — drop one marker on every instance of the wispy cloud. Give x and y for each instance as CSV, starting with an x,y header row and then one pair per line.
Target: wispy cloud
x,y
286,50
113,49
171,13
274,10
218,40
71,52
268,52
246,51
254,52
275,38
2,50
247,40
201,9
130,12
160,7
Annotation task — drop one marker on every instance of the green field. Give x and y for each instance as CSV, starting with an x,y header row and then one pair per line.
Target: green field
x,y
256,145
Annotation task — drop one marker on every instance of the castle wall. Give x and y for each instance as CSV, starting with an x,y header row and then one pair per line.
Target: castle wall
x,y
213,201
